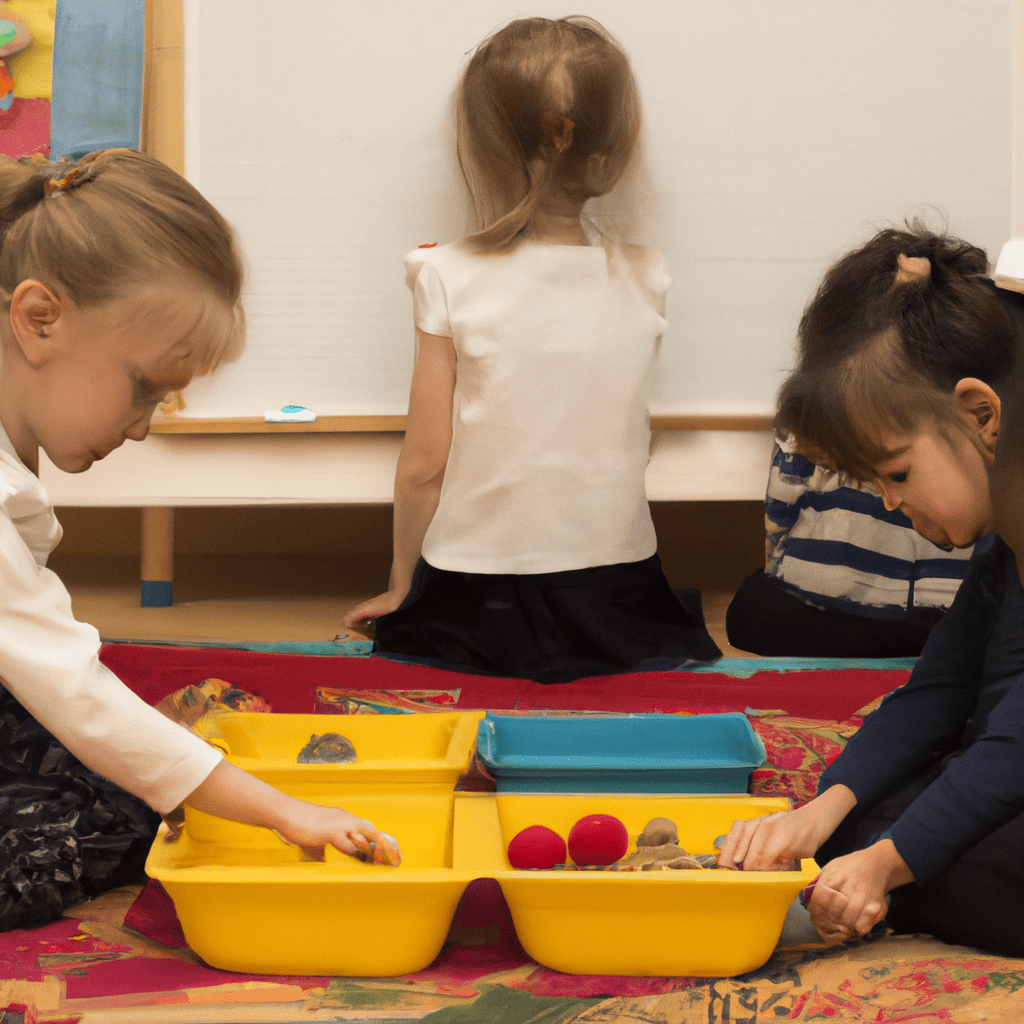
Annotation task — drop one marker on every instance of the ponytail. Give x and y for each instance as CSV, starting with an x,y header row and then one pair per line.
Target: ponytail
x,y
537,101
112,223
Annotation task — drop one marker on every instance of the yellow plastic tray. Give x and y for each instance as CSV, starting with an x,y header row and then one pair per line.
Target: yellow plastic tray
x,y
264,909
674,923
387,746
260,907
397,756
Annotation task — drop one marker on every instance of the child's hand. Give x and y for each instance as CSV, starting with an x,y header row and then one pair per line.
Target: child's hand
x,y
313,827
229,792
849,895
778,842
374,608
775,842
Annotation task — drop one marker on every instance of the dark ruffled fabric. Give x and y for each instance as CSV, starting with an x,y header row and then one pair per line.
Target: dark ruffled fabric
x,y
66,833
551,627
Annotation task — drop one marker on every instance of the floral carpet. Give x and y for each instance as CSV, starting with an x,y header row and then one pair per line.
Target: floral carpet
x,y
93,967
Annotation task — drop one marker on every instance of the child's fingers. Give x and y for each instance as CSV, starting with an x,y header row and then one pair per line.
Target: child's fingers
x,y
755,845
346,845
732,850
870,914
839,917
376,846
826,911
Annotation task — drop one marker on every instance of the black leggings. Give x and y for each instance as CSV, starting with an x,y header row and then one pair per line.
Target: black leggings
x,y
765,618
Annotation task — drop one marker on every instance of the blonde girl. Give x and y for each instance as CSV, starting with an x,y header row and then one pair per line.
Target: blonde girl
x,y
118,284
523,541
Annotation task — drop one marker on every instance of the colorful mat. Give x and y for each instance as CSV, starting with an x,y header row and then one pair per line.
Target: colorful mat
x,y
296,683
99,965
90,967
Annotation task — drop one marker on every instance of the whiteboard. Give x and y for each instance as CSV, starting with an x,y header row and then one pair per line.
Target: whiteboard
x,y
778,133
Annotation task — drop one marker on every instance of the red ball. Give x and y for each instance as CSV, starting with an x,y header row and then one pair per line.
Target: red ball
x,y
536,847
598,839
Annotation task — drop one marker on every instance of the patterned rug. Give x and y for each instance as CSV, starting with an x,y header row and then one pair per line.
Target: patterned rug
x,y
92,966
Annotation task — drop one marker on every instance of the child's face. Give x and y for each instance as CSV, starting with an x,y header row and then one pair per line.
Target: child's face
x,y
940,483
101,385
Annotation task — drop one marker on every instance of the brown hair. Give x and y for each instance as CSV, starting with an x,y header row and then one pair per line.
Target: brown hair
x,y
113,222
514,142
881,349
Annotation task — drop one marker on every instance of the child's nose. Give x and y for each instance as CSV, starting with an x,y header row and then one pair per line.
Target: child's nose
x,y
891,503
139,429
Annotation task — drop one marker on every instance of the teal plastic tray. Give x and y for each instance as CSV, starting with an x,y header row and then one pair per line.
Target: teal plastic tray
x,y
620,753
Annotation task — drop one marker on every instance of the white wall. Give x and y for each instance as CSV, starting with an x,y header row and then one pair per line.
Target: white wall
x,y
778,133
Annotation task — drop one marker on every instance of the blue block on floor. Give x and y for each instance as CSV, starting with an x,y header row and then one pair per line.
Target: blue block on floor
x,y
156,593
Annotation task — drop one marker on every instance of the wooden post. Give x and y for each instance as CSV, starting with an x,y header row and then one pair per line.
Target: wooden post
x,y
163,136
157,556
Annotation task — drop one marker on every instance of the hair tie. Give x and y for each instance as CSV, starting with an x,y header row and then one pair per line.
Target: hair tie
x,y
73,178
558,131
83,170
912,268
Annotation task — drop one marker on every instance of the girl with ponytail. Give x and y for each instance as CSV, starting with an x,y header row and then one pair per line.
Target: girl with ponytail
x,y
909,376
119,283
523,540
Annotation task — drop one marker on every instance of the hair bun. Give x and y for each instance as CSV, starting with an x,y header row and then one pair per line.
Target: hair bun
x,y
912,268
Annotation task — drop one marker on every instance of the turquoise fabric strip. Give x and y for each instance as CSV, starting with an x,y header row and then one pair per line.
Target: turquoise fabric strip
x,y
740,668
98,53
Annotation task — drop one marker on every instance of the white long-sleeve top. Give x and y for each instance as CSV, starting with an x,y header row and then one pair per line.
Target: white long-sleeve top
x,y
50,662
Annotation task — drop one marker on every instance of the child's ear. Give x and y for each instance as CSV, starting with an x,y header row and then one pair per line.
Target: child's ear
x,y
981,407
35,314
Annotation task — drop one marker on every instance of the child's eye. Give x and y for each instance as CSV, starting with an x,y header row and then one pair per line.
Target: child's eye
x,y
146,393
898,478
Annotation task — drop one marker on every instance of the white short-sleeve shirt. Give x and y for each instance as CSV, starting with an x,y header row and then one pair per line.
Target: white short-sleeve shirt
x,y
555,350
50,662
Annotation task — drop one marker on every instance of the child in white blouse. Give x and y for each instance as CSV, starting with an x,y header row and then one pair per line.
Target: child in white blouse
x,y
119,283
523,542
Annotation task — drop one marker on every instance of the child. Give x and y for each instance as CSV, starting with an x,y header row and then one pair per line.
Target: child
x,y
119,283
523,539
844,576
906,363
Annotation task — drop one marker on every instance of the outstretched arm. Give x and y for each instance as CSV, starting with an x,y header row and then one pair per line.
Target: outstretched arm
x,y
421,467
230,792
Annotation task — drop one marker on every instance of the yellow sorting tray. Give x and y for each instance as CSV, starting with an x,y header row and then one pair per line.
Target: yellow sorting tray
x,y
397,757
265,909
704,923
257,905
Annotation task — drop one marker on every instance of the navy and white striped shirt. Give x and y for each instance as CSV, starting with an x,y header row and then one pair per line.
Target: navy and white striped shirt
x,y
837,546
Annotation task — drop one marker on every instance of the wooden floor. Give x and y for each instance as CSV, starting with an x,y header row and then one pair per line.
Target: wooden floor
x,y
291,573
251,597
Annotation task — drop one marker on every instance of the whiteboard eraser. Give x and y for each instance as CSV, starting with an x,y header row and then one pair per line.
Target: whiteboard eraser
x,y
290,414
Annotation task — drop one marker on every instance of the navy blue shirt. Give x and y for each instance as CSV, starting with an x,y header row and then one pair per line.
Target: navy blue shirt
x,y
963,706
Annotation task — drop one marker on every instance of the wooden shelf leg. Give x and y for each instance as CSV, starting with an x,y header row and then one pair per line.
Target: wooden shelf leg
x,y
157,557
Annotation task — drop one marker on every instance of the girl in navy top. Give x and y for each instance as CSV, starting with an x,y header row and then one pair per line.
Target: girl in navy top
x,y
906,369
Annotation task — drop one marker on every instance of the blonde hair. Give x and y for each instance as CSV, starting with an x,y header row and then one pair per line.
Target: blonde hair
x,y
115,222
538,99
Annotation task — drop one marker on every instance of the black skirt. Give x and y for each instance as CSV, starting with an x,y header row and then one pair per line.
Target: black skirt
x,y
549,627
66,833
